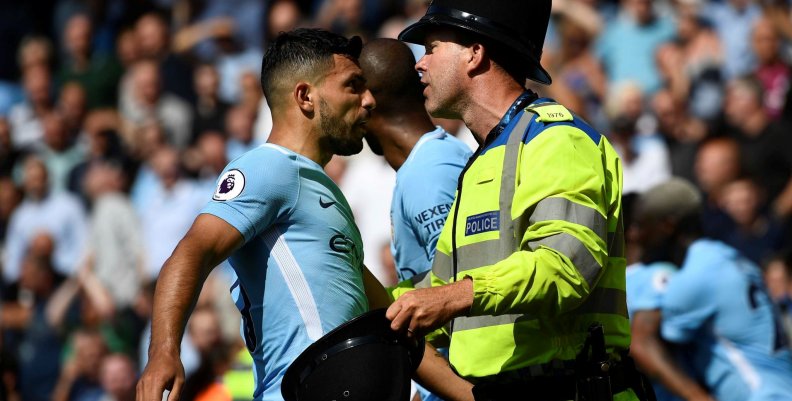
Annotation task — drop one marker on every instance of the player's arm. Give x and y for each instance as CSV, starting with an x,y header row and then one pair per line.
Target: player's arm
x,y
209,241
652,356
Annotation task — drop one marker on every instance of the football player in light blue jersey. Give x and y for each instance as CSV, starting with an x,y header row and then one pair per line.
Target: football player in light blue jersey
x,y
285,227
426,158
717,305
656,214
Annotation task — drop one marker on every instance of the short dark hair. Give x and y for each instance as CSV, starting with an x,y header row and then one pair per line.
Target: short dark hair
x,y
303,51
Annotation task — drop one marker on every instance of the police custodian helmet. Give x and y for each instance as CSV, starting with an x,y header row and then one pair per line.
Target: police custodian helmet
x,y
361,360
517,25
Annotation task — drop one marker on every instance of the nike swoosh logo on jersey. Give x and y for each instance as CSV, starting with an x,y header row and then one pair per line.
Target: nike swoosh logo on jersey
x,y
324,204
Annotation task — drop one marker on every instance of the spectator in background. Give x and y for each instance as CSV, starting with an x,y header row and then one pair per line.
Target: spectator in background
x,y
146,141
80,377
765,144
59,214
97,73
59,151
9,154
580,82
691,64
239,128
10,196
208,110
102,143
756,233
72,105
717,164
118,376
168,211
645,160
733,21
778,278
127,48
148,101
26,117
153,42
682,132
115,243
29,335
771,69
205,161
627,46
282,16
35,51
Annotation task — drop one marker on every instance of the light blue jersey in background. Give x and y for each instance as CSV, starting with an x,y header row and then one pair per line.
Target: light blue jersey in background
x,y
646,285
425,188
717,303
299,271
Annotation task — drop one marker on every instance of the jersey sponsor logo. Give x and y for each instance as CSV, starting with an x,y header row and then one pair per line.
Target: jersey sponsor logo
x,y
341,243
481,223
327,204
433,219
229,186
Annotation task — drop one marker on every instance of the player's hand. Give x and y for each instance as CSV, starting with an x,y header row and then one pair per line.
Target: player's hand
x,y
423,310
164,371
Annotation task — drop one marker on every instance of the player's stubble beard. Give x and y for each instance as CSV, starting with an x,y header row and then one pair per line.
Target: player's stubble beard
x,y
337,134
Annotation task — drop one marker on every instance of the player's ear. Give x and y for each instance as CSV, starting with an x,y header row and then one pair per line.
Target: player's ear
x,y
304,94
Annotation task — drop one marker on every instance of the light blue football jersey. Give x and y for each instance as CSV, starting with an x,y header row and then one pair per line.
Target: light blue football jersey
x,y
425,188
299,271
718,304
646,285
424,191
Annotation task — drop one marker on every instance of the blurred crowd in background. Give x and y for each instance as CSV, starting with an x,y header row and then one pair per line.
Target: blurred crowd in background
x,y
117,116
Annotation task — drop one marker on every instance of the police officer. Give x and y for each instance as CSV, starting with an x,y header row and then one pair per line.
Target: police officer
x,y
531,255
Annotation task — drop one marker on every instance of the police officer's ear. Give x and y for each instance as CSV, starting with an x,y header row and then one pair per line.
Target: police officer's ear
x,y
477,58
304,94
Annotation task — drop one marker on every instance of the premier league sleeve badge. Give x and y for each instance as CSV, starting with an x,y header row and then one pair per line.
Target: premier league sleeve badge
x,y
229,186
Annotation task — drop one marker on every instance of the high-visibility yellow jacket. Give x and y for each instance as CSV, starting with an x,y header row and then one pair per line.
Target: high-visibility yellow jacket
x,y
537,225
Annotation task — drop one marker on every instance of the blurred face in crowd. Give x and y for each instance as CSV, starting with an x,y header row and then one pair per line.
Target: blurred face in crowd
x,y
72,105
37,82
35,52
207,81
641,10
779,282
166,165
741,200
5,135
239,124
717,163
574,38
147,82
89,350
204,327
9,198
78,35
55,134
765,41
742,100
127,48
35,175
283,17
442,69
151,33
118,376
212,148
345,106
